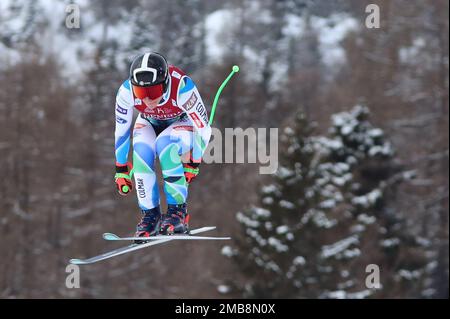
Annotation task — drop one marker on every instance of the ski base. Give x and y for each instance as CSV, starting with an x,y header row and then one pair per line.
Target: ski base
x,y
114,237
133,247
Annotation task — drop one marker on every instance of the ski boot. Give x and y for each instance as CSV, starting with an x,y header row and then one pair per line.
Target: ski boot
x,y
149,225
175,221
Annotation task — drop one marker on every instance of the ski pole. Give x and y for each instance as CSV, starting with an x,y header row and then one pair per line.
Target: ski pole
x,y
219,91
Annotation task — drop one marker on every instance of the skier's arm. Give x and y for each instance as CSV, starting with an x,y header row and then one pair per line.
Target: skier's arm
x,y
124,118
190,101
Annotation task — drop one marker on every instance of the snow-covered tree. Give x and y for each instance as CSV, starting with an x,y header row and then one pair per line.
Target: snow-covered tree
x,y
320,221
20,20
381,234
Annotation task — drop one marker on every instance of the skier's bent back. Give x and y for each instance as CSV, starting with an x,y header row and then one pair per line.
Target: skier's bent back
x,y
172,125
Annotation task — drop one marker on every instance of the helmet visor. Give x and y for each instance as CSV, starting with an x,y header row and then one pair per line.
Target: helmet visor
x,y
152,92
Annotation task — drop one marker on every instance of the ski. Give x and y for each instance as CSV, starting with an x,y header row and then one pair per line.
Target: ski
x,y
132,247
114,237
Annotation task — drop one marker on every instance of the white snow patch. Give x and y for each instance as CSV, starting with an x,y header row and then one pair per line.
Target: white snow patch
x,y
217,40
351,253
342,180
267,200
368,199
227,251
286,204
255,235
409,54
246,220
338,247
277,244
268,189
223,289
332,30
289,131
323,145
376,132
390,242
366,219
299,261
358,228
271,265
329,203
284,172
409,275
341,294
294,26
319,219
429,293
261,212
385,149
282,229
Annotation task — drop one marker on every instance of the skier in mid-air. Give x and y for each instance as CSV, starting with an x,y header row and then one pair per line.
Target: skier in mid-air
x,y
172,125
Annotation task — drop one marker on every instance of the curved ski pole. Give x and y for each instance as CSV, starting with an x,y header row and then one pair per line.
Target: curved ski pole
x,y
219,91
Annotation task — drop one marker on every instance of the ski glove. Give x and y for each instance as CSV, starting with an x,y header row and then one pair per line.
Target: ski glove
x,y
123,178
191,171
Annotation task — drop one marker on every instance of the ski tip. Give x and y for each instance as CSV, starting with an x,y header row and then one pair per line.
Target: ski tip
x,y
219,238
76,261
203,229
110,236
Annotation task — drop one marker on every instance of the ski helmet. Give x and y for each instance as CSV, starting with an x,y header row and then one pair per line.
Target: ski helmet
x,y
149,75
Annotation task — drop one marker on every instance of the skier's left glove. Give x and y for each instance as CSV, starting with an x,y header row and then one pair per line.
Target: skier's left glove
x,y
123,178
191,171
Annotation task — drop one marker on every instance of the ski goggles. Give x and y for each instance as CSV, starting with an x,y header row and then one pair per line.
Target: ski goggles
x,y
152,92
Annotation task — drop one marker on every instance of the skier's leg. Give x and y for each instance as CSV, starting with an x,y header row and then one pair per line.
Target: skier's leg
x,y
171,144
174,141
147,192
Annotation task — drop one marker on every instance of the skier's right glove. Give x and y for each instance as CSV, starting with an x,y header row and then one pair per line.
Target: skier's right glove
x,y
123,178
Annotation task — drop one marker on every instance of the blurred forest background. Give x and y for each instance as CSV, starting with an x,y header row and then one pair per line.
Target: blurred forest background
x,y
363,121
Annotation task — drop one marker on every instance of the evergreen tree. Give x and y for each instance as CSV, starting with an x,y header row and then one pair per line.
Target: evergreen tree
x,y
372,197
322,220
